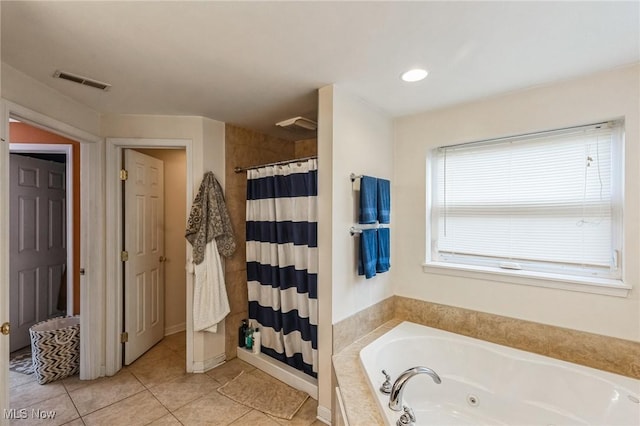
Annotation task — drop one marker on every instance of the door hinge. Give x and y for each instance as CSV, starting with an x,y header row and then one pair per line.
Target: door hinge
x,y
124,175
124,256
124,337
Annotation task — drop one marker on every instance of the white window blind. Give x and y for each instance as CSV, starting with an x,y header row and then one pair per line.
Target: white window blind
x,y
548,202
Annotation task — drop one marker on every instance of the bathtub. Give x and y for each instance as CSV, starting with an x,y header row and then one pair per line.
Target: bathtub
x,y
488,384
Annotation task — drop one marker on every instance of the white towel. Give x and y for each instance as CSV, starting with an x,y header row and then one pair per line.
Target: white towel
x,y
210,301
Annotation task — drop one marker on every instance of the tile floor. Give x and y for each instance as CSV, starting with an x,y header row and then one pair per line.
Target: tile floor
x,y
154,390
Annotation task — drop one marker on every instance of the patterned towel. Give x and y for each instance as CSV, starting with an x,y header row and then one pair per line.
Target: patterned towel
x,y
209,219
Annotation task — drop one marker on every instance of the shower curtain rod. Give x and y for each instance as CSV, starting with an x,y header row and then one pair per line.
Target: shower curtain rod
x,y
277,163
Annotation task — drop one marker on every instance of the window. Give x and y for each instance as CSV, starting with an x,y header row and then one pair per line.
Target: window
x,y
545,203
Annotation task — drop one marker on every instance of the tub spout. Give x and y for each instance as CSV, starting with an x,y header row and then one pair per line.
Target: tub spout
x,y
395,398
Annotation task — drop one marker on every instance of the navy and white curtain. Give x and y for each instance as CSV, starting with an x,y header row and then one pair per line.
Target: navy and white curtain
x,y
282,261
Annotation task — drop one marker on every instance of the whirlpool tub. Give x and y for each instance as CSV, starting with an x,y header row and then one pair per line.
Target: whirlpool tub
x,y
487,384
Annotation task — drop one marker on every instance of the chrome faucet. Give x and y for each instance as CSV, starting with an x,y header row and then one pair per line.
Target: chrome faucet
x,y
395,398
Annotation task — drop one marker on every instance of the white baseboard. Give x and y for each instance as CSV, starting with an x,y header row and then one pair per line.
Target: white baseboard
x,y
324,415
175,329
208,364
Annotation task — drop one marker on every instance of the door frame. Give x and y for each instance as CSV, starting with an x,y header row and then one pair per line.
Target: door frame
x,y
91,184
113,237
18,148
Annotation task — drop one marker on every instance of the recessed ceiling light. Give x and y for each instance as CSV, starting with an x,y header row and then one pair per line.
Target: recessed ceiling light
x,y
413,75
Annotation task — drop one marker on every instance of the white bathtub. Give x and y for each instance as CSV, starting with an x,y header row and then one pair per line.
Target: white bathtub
x,y
488,384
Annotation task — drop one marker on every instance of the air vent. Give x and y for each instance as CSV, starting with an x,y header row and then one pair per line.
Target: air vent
x,y
85,81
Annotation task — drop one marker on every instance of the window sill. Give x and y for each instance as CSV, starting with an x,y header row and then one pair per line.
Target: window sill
x,y
609,287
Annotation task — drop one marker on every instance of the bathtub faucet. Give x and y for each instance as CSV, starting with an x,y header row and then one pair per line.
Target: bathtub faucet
x,y
395,398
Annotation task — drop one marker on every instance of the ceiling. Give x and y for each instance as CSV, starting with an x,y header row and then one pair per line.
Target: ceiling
x,y
255,63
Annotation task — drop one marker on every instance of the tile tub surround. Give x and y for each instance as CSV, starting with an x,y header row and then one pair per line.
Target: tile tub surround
x,y
350,329
359,405
610,354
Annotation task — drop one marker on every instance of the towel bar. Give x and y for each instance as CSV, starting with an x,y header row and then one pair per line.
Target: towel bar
x,y
357,230
354,176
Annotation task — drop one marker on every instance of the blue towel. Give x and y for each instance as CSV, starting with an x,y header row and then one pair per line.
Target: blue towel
x,y
368,199
368,253
384,250
384,201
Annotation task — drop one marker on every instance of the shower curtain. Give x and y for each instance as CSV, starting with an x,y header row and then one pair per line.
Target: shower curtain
x,y
282,261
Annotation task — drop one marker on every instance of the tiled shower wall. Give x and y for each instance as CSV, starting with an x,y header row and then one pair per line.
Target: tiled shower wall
x,y
245,148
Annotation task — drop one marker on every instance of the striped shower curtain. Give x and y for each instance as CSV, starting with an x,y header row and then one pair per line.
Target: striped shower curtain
x,y
282,261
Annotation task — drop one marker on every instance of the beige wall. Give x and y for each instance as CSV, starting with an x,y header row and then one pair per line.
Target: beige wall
x,y
175,219
244,148
589,99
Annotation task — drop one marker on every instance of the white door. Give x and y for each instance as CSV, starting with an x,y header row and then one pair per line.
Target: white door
x,y
37,240
144,242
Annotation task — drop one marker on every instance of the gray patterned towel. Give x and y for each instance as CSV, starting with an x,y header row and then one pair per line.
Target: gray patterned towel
x,y
209,219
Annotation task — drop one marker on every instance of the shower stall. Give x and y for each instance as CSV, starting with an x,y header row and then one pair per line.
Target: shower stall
x,y
281,264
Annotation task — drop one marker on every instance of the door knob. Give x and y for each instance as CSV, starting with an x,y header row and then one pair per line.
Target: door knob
x,y
162,259
5,328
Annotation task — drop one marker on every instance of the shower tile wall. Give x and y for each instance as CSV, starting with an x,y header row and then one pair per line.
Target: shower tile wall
x,y
245,148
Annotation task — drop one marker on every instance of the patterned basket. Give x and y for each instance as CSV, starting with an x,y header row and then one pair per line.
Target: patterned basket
x,y
55,348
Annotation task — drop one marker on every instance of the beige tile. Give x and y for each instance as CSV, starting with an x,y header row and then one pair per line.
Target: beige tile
x,y
176,342
17,379
213,409
30,393
139,409
157,353
158,369
361,323
184,389
51,412
255,417
304,417
168,420
105,392
229,370
76,422
72,383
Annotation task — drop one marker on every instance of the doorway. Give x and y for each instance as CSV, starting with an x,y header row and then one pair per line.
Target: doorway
x,y
175,155
44,237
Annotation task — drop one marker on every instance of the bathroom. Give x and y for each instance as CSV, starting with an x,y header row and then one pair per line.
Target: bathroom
x,y
352,307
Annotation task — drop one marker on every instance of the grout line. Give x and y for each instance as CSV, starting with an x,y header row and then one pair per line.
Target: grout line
x,y
74,404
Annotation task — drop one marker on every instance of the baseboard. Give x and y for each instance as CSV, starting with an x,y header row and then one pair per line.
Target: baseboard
x,y
175,329
208,364
324,415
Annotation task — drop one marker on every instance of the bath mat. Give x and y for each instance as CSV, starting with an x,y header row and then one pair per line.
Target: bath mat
x,y
262,392
20,361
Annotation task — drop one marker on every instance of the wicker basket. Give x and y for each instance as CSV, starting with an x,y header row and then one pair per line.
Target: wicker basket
x,y
55,348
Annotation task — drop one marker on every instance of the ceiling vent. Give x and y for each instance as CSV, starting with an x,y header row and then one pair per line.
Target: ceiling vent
x,y
85,81
298,123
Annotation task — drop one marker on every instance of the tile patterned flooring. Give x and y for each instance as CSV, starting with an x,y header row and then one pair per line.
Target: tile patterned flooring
x,y
154,390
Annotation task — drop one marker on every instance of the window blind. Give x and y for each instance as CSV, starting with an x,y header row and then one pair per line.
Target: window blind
x,y
544,202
